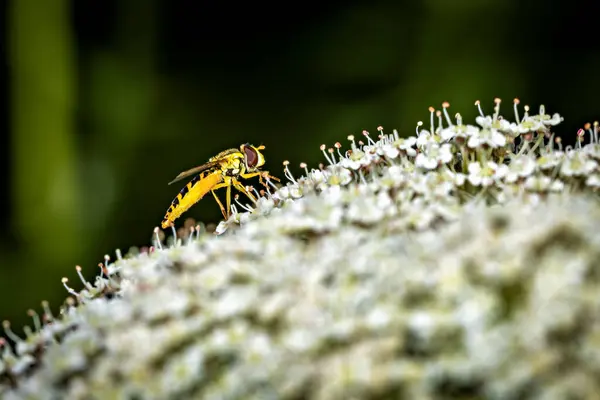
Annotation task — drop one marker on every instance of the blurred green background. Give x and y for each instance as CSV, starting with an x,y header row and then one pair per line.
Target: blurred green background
x,y
106,101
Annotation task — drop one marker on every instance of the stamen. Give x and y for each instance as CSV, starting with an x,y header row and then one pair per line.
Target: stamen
x,y
588,127
542,109
478,104
419,124
497,108
438,114
191,235
70,290
199,229
70,302
47,311
596,129
287,172
338,146
271,184
158,243
250,188
526,108
516,108
330,150
369,140
458,118
580,135
119,255
351,139
257,193
362,177
558,141
104,270
85,282
28,331
323,147
37,323
234,210
174,231
431,118
305,167
550,145
9,332
445,106
245,207
396,136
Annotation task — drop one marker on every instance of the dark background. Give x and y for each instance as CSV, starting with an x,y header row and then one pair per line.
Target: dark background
x,y
105,101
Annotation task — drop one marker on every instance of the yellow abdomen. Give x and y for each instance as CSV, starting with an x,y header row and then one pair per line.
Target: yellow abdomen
x,y
190,195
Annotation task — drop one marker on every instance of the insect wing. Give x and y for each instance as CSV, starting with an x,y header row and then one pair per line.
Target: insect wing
x,y
195,170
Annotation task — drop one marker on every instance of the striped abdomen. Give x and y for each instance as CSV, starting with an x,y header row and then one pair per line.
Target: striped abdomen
x,y
191,194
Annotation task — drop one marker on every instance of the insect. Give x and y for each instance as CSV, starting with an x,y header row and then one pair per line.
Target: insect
x,y
222,170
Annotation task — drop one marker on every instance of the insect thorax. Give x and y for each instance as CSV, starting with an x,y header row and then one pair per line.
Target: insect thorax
x,y
234,167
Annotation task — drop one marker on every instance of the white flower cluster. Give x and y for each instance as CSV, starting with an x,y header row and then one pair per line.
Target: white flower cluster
x,y
449,264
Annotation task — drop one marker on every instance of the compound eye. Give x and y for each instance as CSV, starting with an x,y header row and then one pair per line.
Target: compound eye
x,y
251,157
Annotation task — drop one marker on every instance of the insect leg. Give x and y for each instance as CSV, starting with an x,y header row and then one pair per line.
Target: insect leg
x,y
242,189
220,204
228,198
261,175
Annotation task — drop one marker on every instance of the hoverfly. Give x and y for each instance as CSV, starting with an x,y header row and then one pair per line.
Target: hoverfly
x,y
222,170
